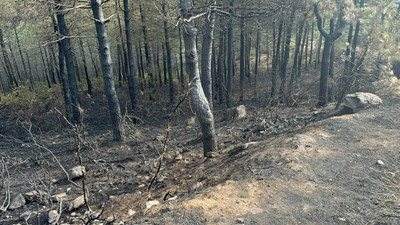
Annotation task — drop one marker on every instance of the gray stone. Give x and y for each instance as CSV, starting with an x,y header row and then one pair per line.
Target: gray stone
x,y
360,100
36,195
58,197
77,203
380,162
17,202
240,220
53,217
26,215
152,203
240,112
77,172
196,187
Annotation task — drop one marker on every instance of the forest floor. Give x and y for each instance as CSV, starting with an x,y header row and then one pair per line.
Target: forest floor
x,y
273,168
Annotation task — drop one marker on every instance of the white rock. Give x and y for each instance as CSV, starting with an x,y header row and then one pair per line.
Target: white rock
x,y
17,202
179,157
58,197
53,217
380,162
196,186
240,220
240,112
77,203
360,100
26,215
131,212
152,203
77,172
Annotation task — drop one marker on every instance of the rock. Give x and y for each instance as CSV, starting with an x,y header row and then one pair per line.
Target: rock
x,y
77,203
58,197
17,202
240,112
190,122
302,140
53,217
152,203
240,220
141,186
247,145
179,157
167,156
36,195
196,187
131,212
77,172
73,214
360,100
380,162
212,154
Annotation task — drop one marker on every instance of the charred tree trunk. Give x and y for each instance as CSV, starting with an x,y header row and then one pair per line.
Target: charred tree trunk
x,y
229,101
242,58
300,60
106,66
329,40
20,53
220,67
96,70
88,81
276,63
312,43
131,76
181,58
7,63
199,100
169,60
147,52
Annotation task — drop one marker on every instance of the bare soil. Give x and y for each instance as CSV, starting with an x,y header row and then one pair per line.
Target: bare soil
x,y
274,168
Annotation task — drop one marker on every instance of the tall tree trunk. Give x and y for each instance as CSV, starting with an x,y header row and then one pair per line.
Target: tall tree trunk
x,y
300,61
207,46
332,54
20,53
96,71
306,49
64,81
50,66
141,66
242,58
181,58
44,66
125,60
229,101
168,49
132,70
312,43
88,81
220,67
147,52
7,62
65,43
285,59
258,40
106,66
276,62
164,64
199,100
329,40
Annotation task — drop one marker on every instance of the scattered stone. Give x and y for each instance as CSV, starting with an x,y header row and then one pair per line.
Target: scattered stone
x,y
380,162
240,220
302,140
179,157
152,203
77,203
173,198
190,122
58,197
77,172
212,154
342,219
247,145
196,187
240,112
131,212
17,202
36,195
53,217
167,156
69,190
360,100
160,178
73,214
142,186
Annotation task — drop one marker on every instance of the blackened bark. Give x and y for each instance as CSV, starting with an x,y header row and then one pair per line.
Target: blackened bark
x,y
147,52
106,66
44,67
276,62
7,64
312,43
300,60
220,67
258,39
199,100
285,59
164,64
293,76
131,76
229,101
181,58
242,58
96,71
20,53
329,40
88,81
169,60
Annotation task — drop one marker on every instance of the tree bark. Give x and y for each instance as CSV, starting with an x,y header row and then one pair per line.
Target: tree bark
x,y
199,100
147,52
7,63
88,81
242,58
276,63
20,53
106,66
131,76
229,101
207,46
181,58
169,60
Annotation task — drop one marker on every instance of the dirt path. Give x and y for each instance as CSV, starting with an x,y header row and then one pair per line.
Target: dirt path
x,y
329,174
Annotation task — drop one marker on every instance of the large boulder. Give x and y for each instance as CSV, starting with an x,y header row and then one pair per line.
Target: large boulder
x,y
360,100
